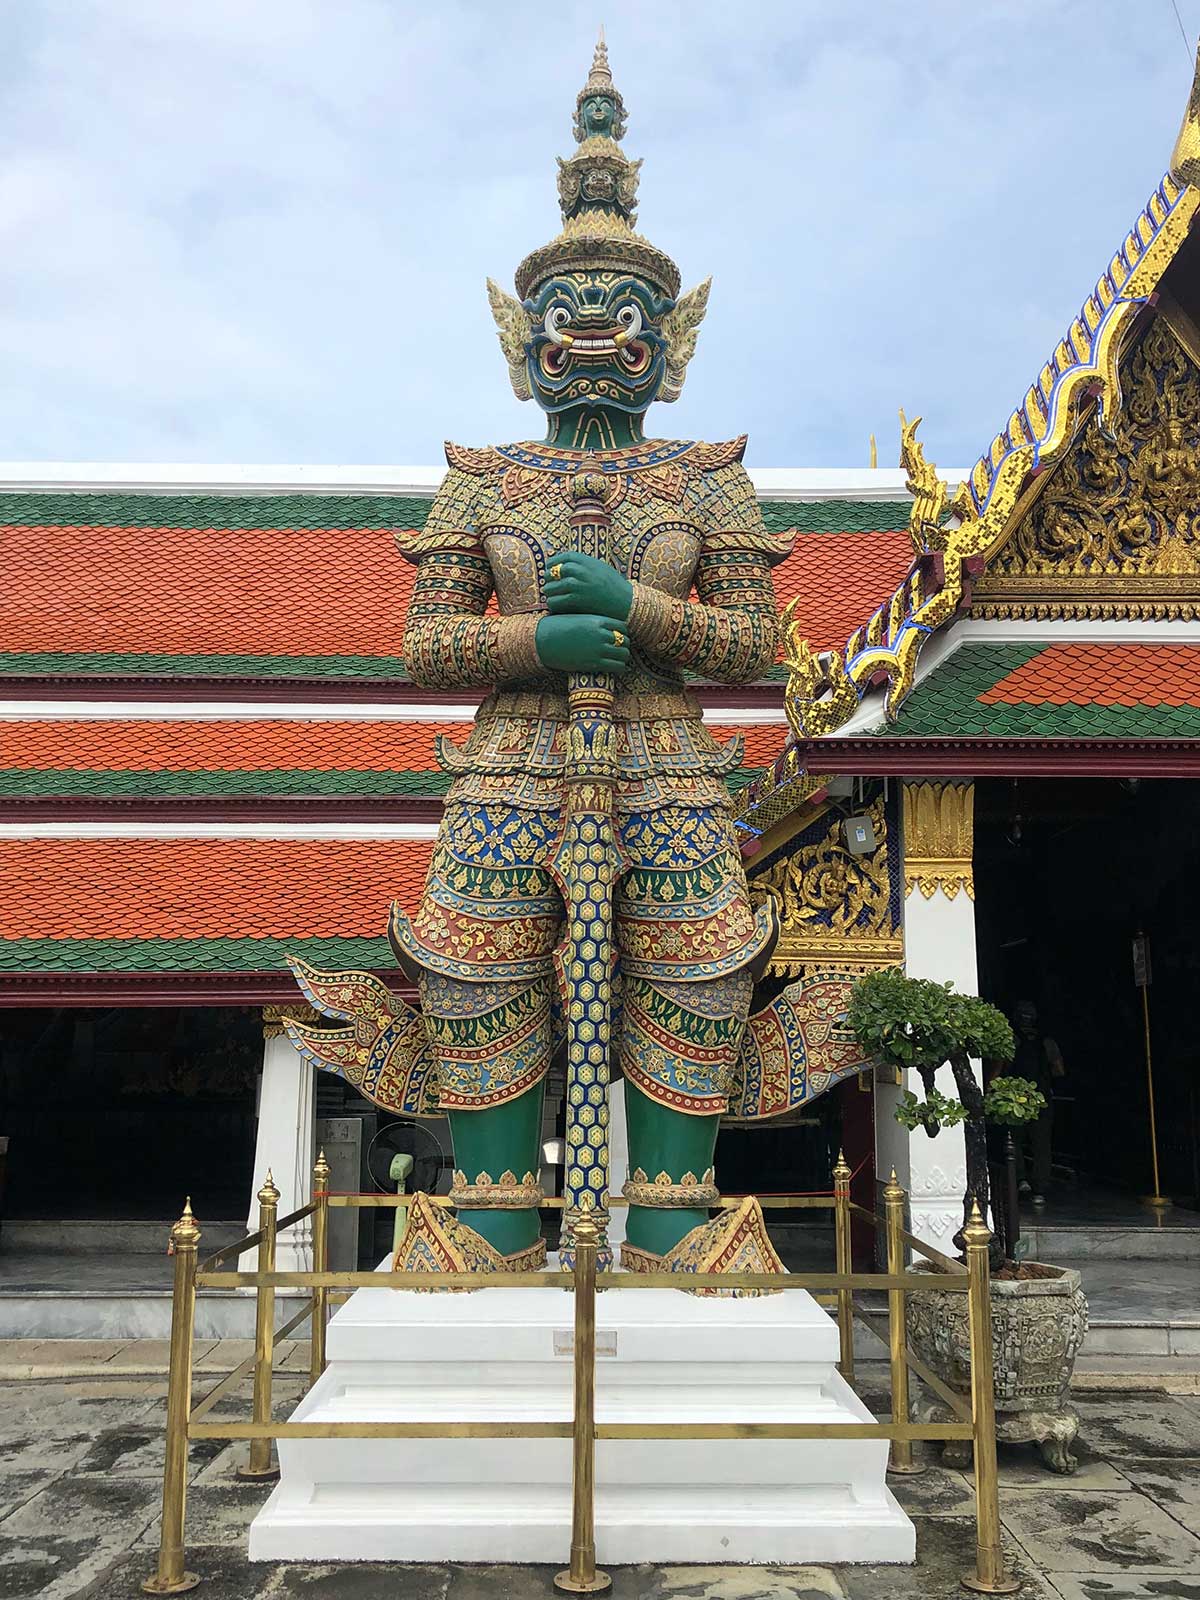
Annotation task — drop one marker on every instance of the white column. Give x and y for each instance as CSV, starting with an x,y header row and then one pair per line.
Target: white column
x,y
939,943
618,1161
283,1144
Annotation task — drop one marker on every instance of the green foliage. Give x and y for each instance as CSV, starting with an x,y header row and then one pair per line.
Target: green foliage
x,y
1013,1101
921,1025
935,1112
914,1022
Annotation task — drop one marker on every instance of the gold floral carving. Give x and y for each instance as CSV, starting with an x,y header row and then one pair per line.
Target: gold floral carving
x,y
939,838
1116,533
835,908
273,1018
664,1193
506,1193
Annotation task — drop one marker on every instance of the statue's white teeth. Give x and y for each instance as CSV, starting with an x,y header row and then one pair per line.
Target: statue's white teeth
x,y
594,344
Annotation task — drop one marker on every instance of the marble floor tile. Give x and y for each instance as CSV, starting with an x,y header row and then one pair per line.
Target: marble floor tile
x,y
1123,1586
1084,1530
1159,1425
1021,1467
1173,1485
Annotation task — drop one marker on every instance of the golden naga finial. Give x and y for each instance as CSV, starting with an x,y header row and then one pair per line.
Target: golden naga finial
x,y
931,495
1185,158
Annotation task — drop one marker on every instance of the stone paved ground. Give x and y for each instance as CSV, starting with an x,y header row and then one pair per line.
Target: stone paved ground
x,y
80,1459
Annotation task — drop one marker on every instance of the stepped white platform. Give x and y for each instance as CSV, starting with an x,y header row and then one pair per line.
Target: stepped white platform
x,y
505,1354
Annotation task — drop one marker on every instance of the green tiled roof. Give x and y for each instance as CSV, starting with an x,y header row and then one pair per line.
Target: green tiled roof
x,y
261,510
265,510
38,783
36,664
187,955
947,705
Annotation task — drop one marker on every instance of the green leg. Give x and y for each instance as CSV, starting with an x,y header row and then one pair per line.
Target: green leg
x,y
500,1139
662,1140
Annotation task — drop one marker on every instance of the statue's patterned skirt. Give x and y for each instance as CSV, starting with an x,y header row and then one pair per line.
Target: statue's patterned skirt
x,y
492,918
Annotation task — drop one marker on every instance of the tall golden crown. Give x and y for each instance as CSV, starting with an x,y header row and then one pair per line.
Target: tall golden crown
x,y
597,194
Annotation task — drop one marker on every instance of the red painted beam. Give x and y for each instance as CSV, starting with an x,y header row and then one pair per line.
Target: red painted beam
x,y
225,808
320,691
980,756
166,988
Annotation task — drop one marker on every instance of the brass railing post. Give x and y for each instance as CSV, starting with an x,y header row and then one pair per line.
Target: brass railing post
x,y
581,1577
845,1297
989,1576
170,1576
320,1239
260,1464
901,1456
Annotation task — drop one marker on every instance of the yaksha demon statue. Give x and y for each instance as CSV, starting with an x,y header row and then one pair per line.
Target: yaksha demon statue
x,y
587,890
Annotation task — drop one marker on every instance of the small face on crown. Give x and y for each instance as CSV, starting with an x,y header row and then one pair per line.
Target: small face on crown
x,y
599,113
596,339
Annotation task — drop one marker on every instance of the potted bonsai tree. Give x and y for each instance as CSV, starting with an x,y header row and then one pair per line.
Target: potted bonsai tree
x,y
1039,1313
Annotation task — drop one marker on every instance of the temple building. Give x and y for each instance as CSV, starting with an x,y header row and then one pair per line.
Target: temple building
x,y
977,756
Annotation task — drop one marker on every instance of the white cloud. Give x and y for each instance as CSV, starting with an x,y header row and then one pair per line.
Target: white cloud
x,y
260,232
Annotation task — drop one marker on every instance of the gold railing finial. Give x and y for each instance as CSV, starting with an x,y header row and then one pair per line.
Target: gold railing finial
x,y
268,1195
186,1231
976,1231
321,1171
893,1191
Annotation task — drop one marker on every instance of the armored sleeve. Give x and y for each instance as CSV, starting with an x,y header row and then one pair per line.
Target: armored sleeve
x,y
449,642
730,631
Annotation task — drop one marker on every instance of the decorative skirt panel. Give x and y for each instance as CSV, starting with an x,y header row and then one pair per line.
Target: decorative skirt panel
x,y
491,917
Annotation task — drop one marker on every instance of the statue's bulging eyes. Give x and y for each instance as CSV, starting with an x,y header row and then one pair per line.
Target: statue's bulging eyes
x,y
630,318
556,320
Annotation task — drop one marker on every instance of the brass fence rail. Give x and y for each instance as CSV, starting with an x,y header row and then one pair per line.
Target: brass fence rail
x,y
975,1418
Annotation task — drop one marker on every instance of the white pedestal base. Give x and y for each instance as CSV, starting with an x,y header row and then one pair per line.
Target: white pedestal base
x,y
505,1354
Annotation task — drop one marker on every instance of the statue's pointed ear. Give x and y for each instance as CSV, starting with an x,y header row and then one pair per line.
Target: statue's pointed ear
x,y
514,328
680,328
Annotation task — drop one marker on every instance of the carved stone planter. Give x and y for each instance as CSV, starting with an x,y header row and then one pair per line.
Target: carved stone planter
x,y
1038,1325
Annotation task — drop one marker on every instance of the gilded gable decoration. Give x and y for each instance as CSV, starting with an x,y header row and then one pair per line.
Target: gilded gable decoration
x,y
956,534
1115,532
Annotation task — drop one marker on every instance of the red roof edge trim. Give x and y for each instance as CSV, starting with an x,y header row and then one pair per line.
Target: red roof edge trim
x,y
166,988
882,756
225,808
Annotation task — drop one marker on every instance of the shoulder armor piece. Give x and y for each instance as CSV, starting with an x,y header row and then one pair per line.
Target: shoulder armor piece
x,y
415,543
708,457
775,547
477,462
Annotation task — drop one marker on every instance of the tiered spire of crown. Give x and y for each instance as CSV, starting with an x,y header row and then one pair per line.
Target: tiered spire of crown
x,y
597,193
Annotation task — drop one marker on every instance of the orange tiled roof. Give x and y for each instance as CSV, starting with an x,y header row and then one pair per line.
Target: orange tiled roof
x,y
1101,674
247,745
841,578
72,889
247,592
205,590
262,745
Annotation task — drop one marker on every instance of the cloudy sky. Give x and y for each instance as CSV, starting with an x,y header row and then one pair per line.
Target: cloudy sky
x,y
258,230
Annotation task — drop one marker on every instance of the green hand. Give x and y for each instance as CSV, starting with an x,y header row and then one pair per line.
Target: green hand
x,y
577,583
583,644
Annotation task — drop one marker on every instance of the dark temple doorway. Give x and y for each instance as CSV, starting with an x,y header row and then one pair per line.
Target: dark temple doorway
x,y
1067,873
112,1112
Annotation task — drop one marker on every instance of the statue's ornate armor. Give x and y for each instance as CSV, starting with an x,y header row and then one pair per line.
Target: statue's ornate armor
x,y
587,887
491,918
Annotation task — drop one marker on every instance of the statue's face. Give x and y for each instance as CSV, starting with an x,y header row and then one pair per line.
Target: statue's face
x,y
597,340
599,114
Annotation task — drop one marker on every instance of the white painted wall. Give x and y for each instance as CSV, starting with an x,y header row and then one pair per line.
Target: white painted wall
x,y
939,943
